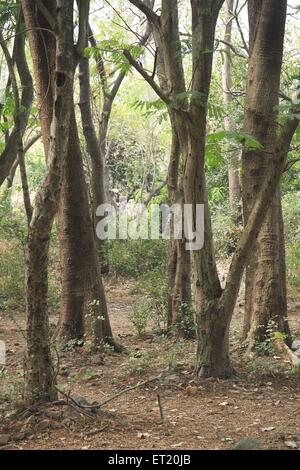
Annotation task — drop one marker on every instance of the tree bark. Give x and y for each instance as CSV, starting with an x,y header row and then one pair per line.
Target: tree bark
x,y
265,294
40,371
179,267
81,277
234,163
74,214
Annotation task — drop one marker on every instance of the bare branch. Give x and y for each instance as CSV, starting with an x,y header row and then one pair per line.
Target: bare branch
x,y
150,14
146,76
234,49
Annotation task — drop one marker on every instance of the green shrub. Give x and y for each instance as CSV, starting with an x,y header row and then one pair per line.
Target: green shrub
x,y
150,308
136,257
291,212
293,265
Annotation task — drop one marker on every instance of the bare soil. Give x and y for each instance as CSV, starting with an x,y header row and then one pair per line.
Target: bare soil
x,y
262,401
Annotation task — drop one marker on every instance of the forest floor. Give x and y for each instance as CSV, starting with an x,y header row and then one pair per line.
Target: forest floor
x,y
262,401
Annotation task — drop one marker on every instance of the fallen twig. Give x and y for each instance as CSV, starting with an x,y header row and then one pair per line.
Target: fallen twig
x,y
74,404
96,431
160,408
112,397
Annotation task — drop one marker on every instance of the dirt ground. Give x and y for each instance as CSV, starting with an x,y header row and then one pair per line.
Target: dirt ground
x,y
263,401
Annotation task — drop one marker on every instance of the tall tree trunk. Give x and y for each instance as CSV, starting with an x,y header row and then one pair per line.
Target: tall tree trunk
x,y
233,166
74,214
179,267
41,377
81,278
73,219
97,154
265,302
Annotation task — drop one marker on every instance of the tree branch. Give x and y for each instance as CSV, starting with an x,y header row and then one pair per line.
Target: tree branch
x,y
234,49
146,76
18,126
150,14
46,13
84,9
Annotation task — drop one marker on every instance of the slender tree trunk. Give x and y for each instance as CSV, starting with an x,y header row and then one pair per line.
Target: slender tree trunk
x,y
265,303
97,154
233,168
179,267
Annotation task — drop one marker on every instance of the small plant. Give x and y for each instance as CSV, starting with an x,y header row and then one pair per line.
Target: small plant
x,y
186,324
266,346
139,315
138,362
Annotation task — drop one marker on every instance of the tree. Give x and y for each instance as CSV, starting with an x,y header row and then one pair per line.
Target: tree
x,y
97,145
75,232
233,169
41,377
214,306
9,154
266,303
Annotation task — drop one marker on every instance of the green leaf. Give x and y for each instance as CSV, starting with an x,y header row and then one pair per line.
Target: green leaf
x,y
247,140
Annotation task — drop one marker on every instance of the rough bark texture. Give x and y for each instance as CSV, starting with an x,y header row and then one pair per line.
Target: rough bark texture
x,y
81,278
42,47
40,373
265,294
73,222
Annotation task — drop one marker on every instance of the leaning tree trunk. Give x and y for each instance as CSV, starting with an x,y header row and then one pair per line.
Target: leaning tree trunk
x,y
9,154
41,376
265,293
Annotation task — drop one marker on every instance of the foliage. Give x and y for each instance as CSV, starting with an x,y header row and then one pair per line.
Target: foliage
x,y
136,257
150,309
